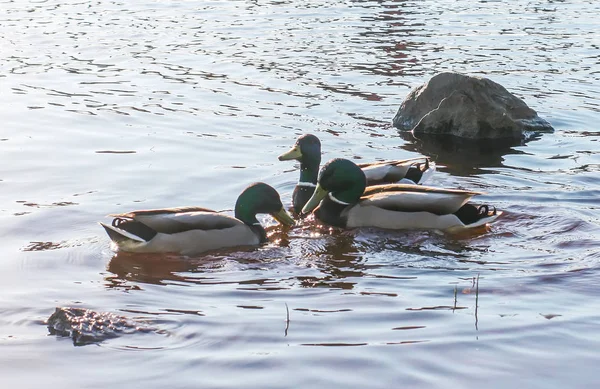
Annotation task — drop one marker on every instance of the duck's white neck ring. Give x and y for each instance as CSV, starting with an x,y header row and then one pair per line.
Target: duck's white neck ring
x,y
307,184
332,198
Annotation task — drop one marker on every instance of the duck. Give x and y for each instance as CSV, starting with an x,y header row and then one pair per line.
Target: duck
x,y
307,151
344,200
193,230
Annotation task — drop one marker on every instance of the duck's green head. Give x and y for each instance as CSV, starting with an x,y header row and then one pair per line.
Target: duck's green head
x,y
307,149
261,198
342,180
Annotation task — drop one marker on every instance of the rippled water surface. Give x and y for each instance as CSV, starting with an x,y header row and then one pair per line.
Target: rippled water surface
x,y
109,106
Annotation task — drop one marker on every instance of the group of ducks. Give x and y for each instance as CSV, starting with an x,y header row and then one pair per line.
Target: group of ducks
x,y
342,194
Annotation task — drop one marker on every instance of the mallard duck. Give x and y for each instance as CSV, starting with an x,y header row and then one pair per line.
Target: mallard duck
x,y
307,150
191,230
346,203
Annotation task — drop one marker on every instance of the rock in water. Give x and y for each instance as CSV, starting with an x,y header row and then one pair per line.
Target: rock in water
x,y
85,326
467,107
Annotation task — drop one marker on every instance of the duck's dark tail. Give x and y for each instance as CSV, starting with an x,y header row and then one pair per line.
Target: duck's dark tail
x,y
421,172
473,216
123,230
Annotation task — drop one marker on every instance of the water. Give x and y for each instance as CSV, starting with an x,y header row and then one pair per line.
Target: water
x,y
109,106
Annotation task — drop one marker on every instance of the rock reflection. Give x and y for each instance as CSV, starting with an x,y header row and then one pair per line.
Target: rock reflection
x,y
460,156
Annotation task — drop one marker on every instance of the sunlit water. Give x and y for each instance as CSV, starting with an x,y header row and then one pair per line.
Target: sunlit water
x,y
109,106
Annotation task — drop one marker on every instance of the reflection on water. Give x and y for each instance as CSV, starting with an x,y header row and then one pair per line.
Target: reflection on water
x,y
115,106
461,156
333,254
146,268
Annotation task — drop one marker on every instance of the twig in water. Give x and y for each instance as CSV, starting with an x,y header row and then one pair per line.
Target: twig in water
x,y
476,301
455,298
287,319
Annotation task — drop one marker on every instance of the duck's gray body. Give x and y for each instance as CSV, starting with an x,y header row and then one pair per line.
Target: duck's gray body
x,y
404,206
192,230
184,230
344,200
408,171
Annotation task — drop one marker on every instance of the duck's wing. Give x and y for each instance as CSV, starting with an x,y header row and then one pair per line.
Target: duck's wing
x,y
175,220
133,236
409,161
395,170
160,211
416,198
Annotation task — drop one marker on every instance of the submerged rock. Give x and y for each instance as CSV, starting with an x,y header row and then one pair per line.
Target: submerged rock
x,y
468,107
85,326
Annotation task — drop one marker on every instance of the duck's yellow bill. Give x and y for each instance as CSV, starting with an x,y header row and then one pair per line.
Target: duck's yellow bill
x,y
315,200
293,153
283,217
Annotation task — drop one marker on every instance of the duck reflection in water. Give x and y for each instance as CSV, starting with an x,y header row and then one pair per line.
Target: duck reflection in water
x,y
334,253
160,268
146,268
341,256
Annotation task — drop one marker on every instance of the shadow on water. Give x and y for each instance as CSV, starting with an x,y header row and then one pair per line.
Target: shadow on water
x,y
462,157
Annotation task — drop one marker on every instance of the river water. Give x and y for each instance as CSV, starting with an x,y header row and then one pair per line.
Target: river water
x,y
109,106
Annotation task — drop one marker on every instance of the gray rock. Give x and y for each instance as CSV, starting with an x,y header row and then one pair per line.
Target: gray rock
x,y
468,107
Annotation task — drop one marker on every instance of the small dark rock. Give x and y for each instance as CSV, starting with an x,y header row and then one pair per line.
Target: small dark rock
x,y
85,326
468,107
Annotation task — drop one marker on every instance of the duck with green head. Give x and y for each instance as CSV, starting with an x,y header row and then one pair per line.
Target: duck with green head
x,y
343,200
192,230
307,150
